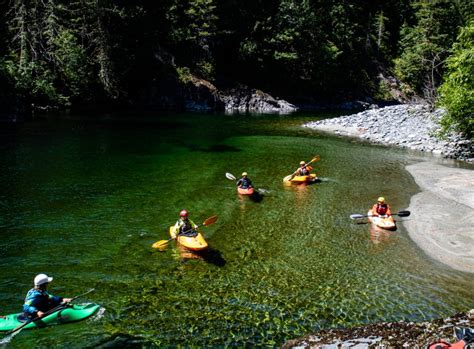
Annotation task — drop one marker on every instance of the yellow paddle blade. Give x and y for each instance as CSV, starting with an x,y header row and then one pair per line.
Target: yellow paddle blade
x,y
316,158
287,178
160,244
210,220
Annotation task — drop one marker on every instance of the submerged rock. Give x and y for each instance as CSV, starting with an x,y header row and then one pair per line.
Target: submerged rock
x,y
386,334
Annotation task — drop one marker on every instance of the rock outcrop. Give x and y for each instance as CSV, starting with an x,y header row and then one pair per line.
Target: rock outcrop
x,y
386,334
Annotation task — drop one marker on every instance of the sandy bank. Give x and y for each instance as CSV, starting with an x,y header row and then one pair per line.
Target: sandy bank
x,y
442,219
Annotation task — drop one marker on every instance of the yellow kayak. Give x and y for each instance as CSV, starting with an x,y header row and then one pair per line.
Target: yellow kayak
x,y
194,242
303,179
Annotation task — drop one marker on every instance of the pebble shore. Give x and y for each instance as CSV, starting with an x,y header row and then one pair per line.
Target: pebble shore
x,y
411,126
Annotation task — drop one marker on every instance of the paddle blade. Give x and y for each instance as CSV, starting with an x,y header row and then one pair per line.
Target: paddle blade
x,y
210,220
316,158
160,244
357,216
287,178
404,213
230,176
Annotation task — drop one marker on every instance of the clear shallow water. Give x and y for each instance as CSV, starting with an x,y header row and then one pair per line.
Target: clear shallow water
x,y
83,200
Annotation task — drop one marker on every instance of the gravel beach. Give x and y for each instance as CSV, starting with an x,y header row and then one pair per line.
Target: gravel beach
x,y
411,126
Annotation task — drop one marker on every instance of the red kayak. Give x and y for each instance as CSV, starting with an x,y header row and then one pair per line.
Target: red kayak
x,y
242,191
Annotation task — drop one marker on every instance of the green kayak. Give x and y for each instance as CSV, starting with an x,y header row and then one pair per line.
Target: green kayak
x,y
69,314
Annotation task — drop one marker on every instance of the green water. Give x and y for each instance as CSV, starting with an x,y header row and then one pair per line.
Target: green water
x,y
84,200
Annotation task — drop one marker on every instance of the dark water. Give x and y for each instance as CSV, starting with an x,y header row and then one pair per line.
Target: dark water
x,y
83,200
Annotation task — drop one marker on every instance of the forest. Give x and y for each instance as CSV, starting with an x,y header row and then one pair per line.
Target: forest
x,y
63,55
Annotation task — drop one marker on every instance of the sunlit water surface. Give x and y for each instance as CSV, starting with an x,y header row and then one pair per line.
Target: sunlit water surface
x,y
84,199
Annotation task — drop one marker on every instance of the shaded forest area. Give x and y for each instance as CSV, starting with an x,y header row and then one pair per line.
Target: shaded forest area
x,y
57,54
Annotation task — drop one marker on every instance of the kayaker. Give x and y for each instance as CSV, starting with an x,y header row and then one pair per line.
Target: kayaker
x,y
38,301
381,208
303,170
183,225
244,182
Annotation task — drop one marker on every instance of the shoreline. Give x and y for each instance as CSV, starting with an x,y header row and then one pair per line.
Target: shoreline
x,y
443,211
443,214
411,126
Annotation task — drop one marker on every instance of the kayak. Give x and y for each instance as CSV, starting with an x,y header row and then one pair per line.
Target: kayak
x,y
71,313
385,222
242,191
194,243
303,179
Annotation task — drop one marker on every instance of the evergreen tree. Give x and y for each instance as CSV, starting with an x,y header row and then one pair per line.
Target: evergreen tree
x,y
424,46
457,90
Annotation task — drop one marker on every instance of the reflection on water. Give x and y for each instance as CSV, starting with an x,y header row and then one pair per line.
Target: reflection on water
x,y
378,235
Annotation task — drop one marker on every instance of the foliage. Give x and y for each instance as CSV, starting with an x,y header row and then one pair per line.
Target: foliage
x,y
60,53
425,45
457,90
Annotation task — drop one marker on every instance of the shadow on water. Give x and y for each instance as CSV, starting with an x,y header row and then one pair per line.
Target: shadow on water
x,y
213,256
209,255
217,148
120,340
256,197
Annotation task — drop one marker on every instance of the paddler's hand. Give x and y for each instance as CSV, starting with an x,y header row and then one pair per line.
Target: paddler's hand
x,y
67,300
39,313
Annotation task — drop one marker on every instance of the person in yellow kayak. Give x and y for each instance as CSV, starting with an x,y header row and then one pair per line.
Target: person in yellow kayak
x,y
38,301
244,182
183,225
303,170
381,208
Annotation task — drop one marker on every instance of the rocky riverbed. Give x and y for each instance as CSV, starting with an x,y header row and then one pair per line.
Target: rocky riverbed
x,y
412,126
386,335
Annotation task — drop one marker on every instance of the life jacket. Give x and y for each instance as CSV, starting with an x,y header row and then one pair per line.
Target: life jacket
x,y
304,171
38,299
244,183
381,209
444,345
186,227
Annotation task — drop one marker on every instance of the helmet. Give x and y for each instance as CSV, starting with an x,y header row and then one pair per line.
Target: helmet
x,y
42,279
183,213
381,199
244,173
302,163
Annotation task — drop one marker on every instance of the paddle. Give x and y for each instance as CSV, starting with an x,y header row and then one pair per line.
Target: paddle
x,y
290,177
401,214
232,178
161,243
49,312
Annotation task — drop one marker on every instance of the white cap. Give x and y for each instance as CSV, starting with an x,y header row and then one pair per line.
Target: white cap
x,y
41,279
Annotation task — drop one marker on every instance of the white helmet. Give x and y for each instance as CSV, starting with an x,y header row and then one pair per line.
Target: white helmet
x,y
42,279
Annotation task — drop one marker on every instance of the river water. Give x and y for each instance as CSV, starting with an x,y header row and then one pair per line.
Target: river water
x,y
83,199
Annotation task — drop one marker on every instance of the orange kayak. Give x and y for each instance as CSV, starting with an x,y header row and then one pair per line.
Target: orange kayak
x,y
385,222
242,191
191,242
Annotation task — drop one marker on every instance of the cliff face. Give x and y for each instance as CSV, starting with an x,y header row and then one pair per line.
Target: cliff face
x,y
388,334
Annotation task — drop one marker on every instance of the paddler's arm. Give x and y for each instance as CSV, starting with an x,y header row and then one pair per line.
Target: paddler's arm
x,y
175,230
374,210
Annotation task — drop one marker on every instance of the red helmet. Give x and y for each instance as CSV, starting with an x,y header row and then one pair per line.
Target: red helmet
x,y
183,213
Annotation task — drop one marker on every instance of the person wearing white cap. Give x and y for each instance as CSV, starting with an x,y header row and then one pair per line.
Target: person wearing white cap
x,y
38,301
